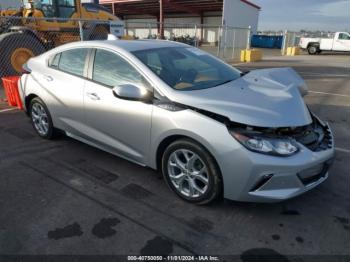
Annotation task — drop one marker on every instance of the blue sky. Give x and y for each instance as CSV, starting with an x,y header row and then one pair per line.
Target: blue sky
x,y
331,15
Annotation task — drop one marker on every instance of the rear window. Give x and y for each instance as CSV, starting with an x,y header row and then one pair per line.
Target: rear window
x,y
55,61
71,61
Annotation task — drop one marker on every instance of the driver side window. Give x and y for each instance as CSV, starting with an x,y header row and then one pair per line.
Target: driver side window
x,y
48,7
112,70
343,36
66,8
56,8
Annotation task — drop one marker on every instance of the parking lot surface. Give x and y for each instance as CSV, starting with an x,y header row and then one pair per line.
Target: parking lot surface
x,y
65,197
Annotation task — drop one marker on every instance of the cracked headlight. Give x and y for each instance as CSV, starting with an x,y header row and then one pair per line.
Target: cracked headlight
x,y
266,145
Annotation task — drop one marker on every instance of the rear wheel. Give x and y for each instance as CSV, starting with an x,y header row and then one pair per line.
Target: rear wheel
x,y
41,119
15,50
313,49
191,172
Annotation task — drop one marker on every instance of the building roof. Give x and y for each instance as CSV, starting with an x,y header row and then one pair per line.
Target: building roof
x,y
139,7
251,4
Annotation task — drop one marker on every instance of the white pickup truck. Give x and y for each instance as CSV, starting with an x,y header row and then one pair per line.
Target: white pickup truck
x,y
340,42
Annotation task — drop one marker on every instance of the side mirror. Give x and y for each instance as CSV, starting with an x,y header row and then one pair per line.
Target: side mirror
x,y
131,92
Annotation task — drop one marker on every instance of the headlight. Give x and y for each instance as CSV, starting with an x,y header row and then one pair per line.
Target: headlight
x,y
266,145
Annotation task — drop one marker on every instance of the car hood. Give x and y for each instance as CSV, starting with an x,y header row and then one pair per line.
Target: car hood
x,y
264,98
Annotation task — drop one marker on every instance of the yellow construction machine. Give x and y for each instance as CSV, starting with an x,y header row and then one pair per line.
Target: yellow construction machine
x,y
40,25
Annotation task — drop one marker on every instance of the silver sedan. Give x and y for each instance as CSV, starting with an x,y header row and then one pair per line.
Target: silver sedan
x,y
210,129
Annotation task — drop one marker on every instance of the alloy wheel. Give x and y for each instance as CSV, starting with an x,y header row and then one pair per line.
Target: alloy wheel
x,y
40,119
188,173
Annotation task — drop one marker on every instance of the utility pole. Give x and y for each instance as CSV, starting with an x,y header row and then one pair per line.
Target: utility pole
x,y
161,19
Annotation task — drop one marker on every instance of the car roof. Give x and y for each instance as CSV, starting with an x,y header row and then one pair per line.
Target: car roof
x,y
128,45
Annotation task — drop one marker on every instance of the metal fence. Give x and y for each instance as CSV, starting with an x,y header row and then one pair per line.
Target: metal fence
x,y
290,39
224,42
186,33
58,30
231,41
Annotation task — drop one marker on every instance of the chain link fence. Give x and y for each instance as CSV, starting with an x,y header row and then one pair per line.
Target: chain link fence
x,y
232,41
290,39
22,38
222,41
185,33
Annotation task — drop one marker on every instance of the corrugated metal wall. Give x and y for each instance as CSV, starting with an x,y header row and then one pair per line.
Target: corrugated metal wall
x,y
239,14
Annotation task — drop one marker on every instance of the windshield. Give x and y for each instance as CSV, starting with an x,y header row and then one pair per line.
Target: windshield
x,y
56,8
37,2
186,69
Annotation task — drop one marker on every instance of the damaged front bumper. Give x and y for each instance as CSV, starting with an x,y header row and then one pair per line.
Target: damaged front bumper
x,y
289,182
270,178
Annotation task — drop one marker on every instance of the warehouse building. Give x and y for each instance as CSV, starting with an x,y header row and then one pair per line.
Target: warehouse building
x,y
208,21
230,13
235,13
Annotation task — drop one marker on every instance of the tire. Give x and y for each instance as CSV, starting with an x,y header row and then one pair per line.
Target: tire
x,y
312,49
15,41
203,161
36,118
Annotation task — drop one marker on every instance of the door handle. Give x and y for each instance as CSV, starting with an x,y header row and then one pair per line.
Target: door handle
x,y
48,78
93,96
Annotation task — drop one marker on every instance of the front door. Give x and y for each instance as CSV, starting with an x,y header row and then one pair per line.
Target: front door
x,y
342,43
119,126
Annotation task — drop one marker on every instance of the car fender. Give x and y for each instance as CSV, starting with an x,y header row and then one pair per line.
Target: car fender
x,y
193,125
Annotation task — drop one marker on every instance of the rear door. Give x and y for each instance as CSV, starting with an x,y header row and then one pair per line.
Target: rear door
x,y
65,81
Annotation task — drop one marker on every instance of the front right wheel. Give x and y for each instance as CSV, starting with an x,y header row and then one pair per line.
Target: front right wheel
x,y
191,172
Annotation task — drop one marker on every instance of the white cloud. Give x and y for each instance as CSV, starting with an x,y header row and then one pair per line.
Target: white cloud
x,y
305,14
335,9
